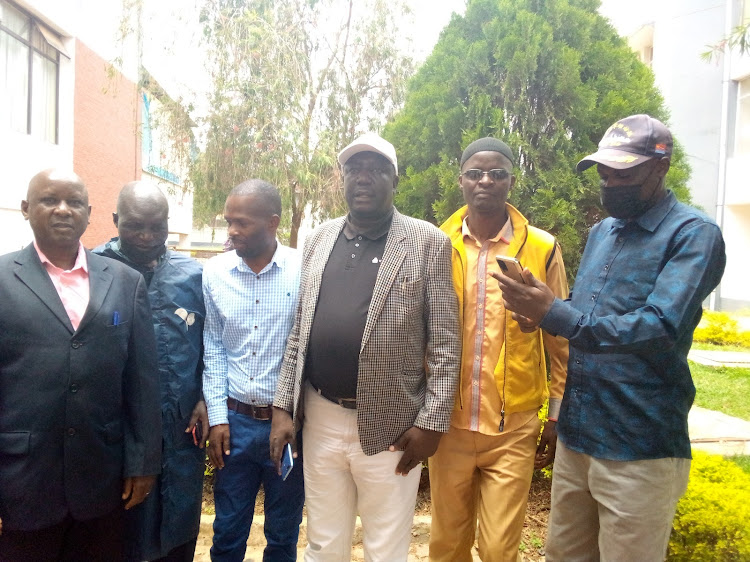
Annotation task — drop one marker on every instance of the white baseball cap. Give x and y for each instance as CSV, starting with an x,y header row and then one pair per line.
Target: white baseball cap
x,y
370,142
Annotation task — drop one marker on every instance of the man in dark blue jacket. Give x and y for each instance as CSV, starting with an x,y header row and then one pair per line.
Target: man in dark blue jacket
x,y
623,454
166,525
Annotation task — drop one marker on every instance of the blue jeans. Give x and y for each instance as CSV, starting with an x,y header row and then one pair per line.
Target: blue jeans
x,y
247,466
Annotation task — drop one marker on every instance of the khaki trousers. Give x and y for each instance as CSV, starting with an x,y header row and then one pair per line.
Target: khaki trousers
x,y
475,476
612,510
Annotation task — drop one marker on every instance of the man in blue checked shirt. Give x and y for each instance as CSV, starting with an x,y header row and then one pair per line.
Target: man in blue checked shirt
x,y
623,453
251,296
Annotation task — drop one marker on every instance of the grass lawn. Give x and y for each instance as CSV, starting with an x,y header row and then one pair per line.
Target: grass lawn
x,y
743,461
722,388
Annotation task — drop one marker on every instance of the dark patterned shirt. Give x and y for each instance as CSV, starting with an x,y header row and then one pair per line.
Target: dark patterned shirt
x,y
630,321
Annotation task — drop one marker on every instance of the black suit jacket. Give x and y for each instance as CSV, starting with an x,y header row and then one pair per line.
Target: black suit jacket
x,y
79,410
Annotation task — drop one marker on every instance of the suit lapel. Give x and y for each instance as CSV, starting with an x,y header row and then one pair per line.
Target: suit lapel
x,y
31,273
393,256
100,281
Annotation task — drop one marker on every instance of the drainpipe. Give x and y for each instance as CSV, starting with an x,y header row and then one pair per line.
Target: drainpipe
x,y
721,186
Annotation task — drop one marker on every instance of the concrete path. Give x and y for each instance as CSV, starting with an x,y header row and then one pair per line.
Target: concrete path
x,y
715,432
717,358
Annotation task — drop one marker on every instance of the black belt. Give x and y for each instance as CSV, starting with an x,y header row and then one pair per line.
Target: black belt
x,y
348,403
261,413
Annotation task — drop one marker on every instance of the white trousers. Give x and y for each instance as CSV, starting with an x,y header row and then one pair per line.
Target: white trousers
x,y
612,510
340,481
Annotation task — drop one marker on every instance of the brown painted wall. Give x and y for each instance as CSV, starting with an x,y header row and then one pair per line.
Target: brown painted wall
x,y
106,138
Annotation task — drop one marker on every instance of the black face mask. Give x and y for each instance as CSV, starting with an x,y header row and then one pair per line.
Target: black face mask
x,y
623,201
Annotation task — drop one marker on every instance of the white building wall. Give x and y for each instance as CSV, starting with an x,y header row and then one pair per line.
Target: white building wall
x,y
95,23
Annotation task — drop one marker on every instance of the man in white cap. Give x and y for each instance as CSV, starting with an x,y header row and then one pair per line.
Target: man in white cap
x,y
623,453
372,361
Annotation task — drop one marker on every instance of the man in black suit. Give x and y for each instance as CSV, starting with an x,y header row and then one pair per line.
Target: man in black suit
x,y
80,426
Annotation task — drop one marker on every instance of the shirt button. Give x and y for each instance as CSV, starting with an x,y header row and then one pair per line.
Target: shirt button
x,y
257,301
359,238
606,267
71,431
253,353
257,276
356,245
255,327
76,344
352,256
74,388
475,383
593,297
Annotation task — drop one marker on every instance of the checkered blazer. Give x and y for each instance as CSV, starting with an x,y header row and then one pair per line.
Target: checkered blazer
x,y
412,323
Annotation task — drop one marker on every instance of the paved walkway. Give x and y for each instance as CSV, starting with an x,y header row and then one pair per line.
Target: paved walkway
x,y
717,358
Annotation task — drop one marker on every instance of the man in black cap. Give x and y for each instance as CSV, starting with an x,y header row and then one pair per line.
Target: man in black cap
x,y
623,454
488,456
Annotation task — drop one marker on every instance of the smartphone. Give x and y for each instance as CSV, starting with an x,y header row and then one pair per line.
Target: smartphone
x,y
198,433
287,462
510,267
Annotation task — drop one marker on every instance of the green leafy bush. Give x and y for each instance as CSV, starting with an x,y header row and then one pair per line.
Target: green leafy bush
x,y
721,329
713,517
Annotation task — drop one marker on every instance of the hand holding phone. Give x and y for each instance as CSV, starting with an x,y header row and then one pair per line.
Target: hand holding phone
x,y
287,462
511,267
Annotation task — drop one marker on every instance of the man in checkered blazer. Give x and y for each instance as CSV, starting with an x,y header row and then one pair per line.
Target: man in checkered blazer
x,y
371,365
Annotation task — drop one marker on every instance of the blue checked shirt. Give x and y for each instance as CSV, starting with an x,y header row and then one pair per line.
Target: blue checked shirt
x,y
630,320
248,319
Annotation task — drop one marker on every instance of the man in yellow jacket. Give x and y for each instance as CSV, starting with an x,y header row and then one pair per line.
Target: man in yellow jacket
x,y
483,466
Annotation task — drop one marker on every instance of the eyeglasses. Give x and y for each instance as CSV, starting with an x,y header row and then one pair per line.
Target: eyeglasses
x,y
498,174
356,170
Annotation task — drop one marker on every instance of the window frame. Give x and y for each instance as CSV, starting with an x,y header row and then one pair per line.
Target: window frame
x,y
35,27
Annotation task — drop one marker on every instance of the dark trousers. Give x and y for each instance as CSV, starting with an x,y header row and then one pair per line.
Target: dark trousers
x,y
245,469
93,540
183,553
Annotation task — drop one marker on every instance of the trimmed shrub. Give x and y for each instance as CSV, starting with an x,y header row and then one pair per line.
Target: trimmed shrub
x,y
721,329
713,517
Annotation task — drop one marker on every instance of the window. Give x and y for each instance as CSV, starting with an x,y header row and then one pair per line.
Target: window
x,y
743,119
29,68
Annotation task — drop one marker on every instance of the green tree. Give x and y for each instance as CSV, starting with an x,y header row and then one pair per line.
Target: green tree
x,y
546,76
291,87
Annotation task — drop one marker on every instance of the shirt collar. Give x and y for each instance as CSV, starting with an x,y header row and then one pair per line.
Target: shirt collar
x,y
279,259
80,262
505,235
374,232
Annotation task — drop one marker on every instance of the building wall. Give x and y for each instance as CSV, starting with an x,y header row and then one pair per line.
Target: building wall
x,y
106,140
702,99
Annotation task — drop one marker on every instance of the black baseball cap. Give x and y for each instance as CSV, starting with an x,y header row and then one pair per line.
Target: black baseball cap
x,y
630,142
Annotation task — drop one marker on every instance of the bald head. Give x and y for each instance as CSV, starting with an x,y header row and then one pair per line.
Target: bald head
x,y
56,176
57,208
139,194
142,221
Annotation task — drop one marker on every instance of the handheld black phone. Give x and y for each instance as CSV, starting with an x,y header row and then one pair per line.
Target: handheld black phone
x,y
287,462
510,267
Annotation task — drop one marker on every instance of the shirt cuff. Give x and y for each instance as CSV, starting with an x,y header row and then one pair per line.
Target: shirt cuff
x,y
554,409
218,413
561,319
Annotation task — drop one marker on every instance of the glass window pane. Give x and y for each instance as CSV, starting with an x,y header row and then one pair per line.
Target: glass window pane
x,y
16,21
14,83
44,99
40,44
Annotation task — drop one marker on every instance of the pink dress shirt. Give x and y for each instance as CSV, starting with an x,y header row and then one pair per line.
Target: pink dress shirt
x,y
72,285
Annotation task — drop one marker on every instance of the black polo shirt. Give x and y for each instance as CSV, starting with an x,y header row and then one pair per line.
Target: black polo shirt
x,y
346,288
